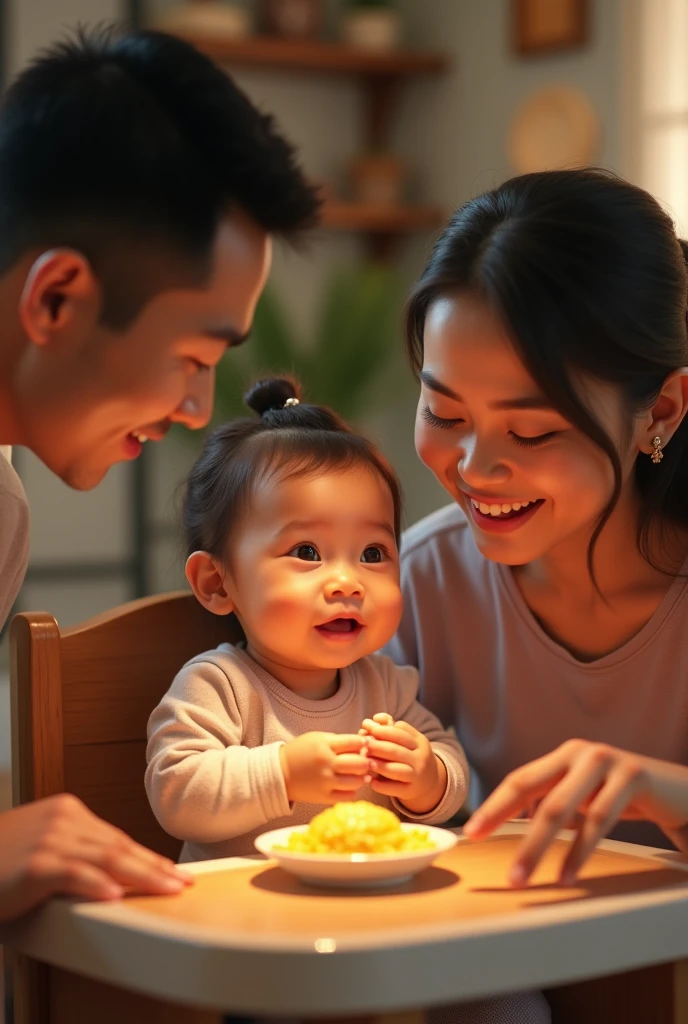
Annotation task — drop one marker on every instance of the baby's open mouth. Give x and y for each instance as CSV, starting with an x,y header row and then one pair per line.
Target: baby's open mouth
x,y
341,626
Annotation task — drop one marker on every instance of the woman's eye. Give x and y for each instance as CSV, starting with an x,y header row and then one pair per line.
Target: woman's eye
x,y
373,554
306,552
532,442
438,421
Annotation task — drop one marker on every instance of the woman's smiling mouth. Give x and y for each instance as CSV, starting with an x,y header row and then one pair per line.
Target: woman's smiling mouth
x,y
503,516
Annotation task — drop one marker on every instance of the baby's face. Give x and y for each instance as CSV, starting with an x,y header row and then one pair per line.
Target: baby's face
x,y
314,571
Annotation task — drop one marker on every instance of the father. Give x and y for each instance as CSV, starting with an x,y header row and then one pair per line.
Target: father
x,y
139,189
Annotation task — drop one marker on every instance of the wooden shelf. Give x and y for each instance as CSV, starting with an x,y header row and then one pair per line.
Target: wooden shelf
x,y
381,77
319,56
353,216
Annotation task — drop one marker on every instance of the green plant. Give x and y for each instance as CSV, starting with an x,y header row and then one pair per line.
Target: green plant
x,y
357,337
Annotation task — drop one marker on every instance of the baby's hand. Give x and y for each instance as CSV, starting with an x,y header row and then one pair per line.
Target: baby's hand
x,y
324,767
382,718
405,764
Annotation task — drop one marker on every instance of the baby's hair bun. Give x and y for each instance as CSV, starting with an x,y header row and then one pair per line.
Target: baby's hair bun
x,y
271,393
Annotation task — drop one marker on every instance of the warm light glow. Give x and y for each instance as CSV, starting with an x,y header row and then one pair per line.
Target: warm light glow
x,y
325,945
662,114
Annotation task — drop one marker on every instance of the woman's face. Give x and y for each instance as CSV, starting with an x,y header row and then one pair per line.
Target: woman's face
x,y
528,481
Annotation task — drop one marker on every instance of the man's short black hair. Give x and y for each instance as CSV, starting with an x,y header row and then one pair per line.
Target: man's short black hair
x,y
137,145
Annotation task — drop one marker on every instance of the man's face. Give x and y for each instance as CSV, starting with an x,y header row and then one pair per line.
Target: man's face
x,y
85,404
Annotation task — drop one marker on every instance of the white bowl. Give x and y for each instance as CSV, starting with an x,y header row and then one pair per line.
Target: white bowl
x,y
354,870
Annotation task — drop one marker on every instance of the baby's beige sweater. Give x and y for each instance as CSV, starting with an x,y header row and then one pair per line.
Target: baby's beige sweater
x,y
214,777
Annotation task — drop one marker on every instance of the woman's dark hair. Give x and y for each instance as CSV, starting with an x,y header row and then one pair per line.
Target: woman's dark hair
x,y
588,275
290,437
133,147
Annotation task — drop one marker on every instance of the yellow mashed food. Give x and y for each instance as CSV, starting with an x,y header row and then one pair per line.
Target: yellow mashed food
x,y
357,827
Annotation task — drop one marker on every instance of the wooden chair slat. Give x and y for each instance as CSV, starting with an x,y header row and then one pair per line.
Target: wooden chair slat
x,y
80,705
108,777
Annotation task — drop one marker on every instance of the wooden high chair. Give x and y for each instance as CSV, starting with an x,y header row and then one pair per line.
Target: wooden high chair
x,y
80,705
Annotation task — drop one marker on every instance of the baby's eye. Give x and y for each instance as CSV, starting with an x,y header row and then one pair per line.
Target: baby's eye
x,y
306,552
372,554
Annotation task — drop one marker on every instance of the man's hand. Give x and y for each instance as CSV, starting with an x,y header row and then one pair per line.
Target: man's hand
x,y
405,764
57,845
324,767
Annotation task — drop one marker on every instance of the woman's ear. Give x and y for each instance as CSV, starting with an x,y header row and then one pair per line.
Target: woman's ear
x,y
207,583
667,413
59,290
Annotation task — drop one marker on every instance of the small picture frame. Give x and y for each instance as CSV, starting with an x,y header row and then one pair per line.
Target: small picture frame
x,y
546,26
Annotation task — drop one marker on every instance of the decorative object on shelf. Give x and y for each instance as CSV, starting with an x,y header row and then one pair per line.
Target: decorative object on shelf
x,y
356,339
212,18
378,179
557,127
381,75
371,24
543,26
293,19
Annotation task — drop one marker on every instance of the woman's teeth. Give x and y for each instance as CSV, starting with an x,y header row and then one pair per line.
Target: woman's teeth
x,y
499,510
139,437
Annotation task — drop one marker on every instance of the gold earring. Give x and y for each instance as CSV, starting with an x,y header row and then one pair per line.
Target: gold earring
x,y
657,453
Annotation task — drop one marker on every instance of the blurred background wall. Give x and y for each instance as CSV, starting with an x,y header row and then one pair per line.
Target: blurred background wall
x,y
453,133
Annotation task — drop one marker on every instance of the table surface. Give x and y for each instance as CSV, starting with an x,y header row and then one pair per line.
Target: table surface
x,y
250,938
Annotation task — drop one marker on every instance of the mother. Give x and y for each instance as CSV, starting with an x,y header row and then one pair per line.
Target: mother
x,y
546,608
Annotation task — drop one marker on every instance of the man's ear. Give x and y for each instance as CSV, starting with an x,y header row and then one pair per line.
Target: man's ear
x,y
60,288
207,583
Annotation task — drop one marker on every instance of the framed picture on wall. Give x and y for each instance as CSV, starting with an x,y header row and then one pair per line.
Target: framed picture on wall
x,y
543,26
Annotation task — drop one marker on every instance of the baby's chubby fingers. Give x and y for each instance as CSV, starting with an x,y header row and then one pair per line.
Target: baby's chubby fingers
x,y
394,771
386,751
389,787
351,764
382,718
379,721
345,743
391,734
347,783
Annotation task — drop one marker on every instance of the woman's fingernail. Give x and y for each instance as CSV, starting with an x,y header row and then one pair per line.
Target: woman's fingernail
x,y
518,876
367,778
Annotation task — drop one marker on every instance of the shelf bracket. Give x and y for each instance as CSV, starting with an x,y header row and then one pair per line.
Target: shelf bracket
x,y
381,94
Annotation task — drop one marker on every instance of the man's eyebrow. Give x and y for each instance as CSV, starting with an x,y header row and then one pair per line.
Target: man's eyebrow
x,y
231,337
524,402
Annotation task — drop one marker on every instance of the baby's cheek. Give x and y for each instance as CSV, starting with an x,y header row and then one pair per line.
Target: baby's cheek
x,y
390,605
288,602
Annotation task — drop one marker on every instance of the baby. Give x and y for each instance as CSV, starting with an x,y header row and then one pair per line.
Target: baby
x,y
292,523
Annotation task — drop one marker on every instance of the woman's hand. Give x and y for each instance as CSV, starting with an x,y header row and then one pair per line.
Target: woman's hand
x,y
404,763
57,845
592,786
